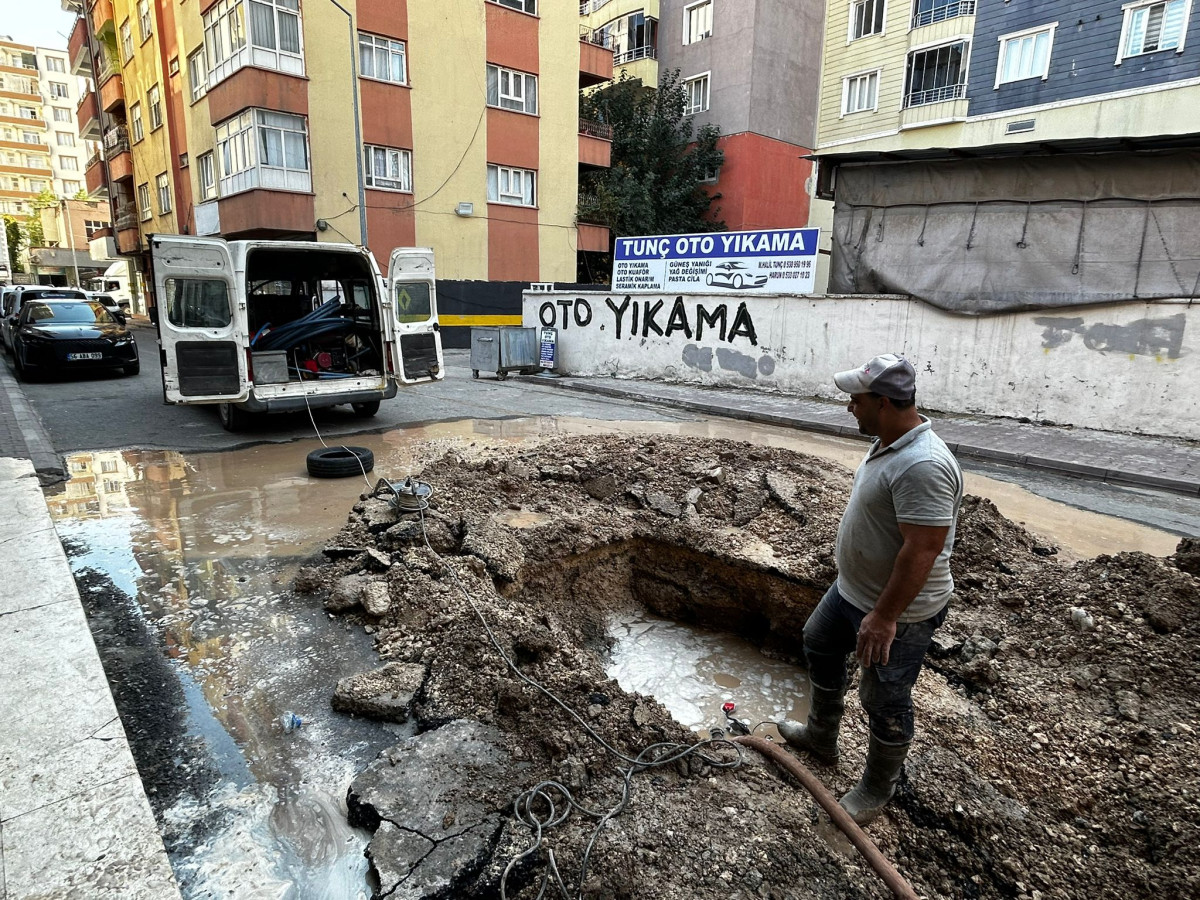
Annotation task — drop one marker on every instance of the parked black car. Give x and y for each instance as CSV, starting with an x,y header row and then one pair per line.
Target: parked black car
x,y
70,336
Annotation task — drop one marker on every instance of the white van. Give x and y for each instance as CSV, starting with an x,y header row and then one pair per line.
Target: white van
x,y
281,326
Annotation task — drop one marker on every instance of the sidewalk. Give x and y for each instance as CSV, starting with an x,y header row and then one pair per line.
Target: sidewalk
x,y
22,435
1161,463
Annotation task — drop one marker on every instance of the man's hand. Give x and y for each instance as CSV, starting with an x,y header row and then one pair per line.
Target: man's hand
x,y
875,636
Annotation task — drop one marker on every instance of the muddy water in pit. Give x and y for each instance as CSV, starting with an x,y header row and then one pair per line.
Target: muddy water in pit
x,y
185,564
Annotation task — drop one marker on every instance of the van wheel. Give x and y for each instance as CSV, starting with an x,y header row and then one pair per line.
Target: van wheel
x,y
365,410
339,462
233,419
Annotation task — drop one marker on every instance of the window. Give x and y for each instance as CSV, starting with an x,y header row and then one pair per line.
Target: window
x,y
381,58
197,303
197,76
91,226
207,181
144,26
154,101
54,64
30,138
927,12
64,139
62,115
58,90
387,168
631,37
509,89
860,92
173,66
263,149
516,187
1025,55
696,91
68,163
697,22
126,42
143,201
711,175
529,6
164,193
271,42
1153,26
936,74
866,18
37,185
71,188
135,120
183,160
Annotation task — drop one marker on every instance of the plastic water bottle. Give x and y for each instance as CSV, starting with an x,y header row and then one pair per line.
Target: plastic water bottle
x,y
290,722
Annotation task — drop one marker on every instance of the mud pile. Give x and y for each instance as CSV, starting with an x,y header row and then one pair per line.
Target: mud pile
x,y
1057,725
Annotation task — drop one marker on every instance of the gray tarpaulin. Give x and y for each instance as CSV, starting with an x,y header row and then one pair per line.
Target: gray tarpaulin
x,y
996,235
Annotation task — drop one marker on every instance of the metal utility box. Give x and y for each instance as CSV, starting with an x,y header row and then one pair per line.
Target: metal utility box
x,y
503,349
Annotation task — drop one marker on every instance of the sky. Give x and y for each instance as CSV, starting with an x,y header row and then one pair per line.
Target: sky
x,y
39,22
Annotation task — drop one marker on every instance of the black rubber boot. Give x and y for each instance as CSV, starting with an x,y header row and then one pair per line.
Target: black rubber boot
x,y
867,799
820,736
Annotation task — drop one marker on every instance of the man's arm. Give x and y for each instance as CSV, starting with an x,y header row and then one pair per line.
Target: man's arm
x,y
922,544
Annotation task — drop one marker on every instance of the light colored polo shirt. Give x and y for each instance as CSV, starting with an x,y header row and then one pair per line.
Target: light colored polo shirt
x,y
915,481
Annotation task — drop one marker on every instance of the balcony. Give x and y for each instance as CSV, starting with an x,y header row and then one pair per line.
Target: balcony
x,y
93,175
590,6
77,49
595,59
595,144
940,112
87,115
593,238
267,213
633,54
930,13
129,239
112,91
37,124
116,150
43,149
102,16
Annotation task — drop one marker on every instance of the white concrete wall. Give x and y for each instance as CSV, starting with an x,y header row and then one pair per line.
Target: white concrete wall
x,y
1115,367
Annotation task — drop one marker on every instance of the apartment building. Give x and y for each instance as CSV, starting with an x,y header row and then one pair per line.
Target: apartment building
x,y
629,28
355,121
997,155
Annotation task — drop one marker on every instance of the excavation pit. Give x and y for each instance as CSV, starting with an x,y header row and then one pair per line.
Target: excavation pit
x,y
1027,725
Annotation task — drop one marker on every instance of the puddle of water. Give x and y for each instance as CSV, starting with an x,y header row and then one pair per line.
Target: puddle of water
x,y
693,671
207,545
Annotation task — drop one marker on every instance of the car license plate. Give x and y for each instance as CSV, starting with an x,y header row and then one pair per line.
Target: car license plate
x,y
85,356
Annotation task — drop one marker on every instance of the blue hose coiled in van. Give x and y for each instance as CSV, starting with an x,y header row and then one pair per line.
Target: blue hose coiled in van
x,y
322,321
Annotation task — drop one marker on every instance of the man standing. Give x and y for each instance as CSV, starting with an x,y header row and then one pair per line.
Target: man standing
x,y
893,584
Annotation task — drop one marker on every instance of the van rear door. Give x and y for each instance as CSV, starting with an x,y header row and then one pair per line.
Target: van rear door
x,y
203,353
417,348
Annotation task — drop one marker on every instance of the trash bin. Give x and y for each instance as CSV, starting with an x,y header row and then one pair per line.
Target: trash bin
x,y
503,349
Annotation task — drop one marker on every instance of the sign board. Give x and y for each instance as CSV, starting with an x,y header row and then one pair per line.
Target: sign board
x,y
781,261
547,347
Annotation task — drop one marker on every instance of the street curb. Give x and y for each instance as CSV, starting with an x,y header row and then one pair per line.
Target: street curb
x,y
1187,487
46,462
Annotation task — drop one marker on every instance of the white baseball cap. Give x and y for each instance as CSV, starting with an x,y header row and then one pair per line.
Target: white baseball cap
x,y
887,375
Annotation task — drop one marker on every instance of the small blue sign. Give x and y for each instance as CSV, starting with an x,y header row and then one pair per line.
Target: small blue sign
x,y
548,347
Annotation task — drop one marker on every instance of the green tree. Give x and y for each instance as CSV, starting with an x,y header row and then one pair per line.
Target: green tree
x,y
658,161
33,224
16,239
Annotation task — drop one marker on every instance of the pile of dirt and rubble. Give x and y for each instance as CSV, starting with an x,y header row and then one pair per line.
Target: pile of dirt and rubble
x,y
1057,722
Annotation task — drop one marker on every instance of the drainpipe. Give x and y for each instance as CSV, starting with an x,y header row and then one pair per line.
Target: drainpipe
x,y
358,144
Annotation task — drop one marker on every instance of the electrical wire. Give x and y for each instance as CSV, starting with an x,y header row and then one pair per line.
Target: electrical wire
x,y
317,431
656,755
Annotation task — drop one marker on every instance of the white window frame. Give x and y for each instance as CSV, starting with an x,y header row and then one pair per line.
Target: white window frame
x,y
162,186
58,90
145,213
197,74
851,36
154,104
64,139
137,129
231,39
54,64
126,41
61,114
206,176
967,41
513,99
240,143
374,154
273,55
688,36
71,187
503,192
69,163
529,7
145,23
1129,9
689,109
1006,39
877,74
375,44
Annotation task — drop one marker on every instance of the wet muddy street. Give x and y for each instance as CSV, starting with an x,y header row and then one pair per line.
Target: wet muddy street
x,y
186,564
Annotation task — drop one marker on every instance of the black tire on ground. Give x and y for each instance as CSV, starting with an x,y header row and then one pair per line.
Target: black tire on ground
x,y
365,410
233,418
340,462
134,369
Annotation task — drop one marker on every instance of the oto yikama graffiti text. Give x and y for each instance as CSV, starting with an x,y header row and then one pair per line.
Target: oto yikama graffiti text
x,y
642,318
